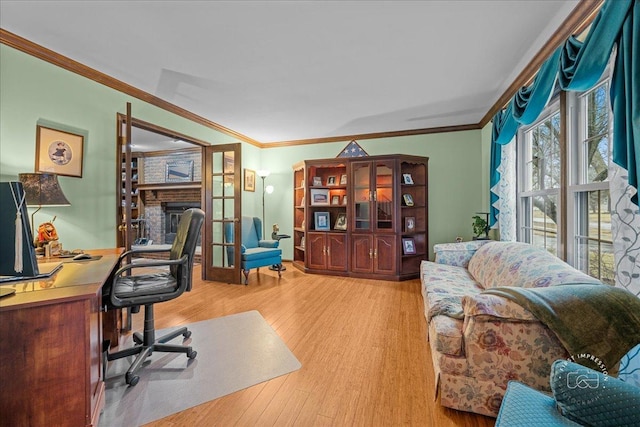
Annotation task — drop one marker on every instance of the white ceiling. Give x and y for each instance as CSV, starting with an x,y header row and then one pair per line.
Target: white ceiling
x,y
294,70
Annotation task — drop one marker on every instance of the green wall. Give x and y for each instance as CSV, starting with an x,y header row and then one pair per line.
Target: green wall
x,y
33,91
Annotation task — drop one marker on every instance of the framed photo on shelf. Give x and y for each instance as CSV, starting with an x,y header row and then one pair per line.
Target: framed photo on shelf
x,y
407,179
331,181
58,151
408,200
249,180
317,181
343,179
321,220
408,246
319,196
341,222
344,199
410,224
335,200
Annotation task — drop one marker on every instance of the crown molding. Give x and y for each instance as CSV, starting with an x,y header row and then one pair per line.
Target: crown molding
x,y
41,52
579,19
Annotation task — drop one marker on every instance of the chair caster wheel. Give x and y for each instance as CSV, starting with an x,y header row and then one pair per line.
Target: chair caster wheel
x,y
186,334
132,380
192,354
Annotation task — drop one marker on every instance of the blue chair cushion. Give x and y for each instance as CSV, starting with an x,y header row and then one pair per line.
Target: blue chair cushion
x,y
593,398
524,406
254,254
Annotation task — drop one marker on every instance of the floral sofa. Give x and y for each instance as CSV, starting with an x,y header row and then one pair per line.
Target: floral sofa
x,y
479,342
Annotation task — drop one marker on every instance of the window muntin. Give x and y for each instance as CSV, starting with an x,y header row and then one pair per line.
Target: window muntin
x,y
591,249
540,182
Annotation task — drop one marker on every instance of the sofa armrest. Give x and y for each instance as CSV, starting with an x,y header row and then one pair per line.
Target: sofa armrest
x,y
457,254
503,342
268,243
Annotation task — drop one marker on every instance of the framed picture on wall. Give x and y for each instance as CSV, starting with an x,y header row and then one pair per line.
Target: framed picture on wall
x,y
249,180
179,171
59,151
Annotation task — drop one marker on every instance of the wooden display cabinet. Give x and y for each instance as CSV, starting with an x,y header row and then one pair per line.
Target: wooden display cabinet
x,y
350,216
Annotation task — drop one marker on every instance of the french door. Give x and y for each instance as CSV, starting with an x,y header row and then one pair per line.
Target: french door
x,y
222,206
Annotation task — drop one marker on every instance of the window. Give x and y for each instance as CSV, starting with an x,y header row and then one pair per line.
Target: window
x,y
591,245
540,182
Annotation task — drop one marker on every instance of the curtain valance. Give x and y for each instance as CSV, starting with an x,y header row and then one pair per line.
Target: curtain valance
x,y
578,66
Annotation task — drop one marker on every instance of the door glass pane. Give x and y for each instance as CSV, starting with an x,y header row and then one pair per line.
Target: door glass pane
x,y
384,200
218,258
217,188
217,208
362,194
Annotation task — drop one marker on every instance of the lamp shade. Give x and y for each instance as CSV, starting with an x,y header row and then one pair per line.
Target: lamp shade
x,y
43,189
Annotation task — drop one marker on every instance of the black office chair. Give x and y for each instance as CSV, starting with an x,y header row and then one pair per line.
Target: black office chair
x,y
149,289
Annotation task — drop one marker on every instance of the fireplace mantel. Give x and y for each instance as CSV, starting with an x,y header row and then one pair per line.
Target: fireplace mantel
x,y
169,186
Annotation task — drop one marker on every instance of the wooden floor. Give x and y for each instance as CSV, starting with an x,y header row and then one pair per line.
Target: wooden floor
x,y
365,359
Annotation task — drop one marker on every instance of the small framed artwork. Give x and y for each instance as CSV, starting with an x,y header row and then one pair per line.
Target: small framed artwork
x,y
317,181
321,220
408,246
341,222
344,199
407,179
343,179
408,200
331,180
410,224
335,200
319,196
179,171
58,151
249,180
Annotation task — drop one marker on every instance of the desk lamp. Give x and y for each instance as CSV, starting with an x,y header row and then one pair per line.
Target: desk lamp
x,y
265,190
42,189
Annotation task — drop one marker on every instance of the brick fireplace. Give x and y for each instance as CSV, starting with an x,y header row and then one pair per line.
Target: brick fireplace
x,y
163,209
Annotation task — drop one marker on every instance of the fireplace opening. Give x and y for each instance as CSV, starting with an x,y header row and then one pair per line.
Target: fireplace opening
x,y
172,213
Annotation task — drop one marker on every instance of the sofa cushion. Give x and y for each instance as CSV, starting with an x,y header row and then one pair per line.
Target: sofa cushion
x,y
443,287
523,265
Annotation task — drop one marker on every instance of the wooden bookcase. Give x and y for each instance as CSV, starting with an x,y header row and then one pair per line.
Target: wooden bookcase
x,y
361,217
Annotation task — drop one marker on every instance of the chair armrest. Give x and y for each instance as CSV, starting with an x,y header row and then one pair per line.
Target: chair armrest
x,y
151,264
268,243
142,251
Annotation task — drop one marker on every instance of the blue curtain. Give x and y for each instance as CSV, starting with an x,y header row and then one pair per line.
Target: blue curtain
x,y
578,66
524,108
625,99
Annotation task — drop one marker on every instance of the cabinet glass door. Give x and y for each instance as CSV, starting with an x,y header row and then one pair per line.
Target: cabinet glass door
x,y
361,176
383,196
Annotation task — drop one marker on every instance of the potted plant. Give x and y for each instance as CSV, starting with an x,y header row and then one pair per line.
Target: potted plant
x,y
480,227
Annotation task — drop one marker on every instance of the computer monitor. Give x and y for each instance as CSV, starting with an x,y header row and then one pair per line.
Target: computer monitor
x,y
11,193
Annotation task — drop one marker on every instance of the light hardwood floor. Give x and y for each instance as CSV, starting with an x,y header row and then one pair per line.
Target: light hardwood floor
x,y
365,359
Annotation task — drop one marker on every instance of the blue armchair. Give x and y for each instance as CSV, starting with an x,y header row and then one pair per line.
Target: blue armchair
x,y
581,396
255,252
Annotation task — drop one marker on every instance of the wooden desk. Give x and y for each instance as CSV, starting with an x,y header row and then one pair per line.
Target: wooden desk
x,y
51,347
